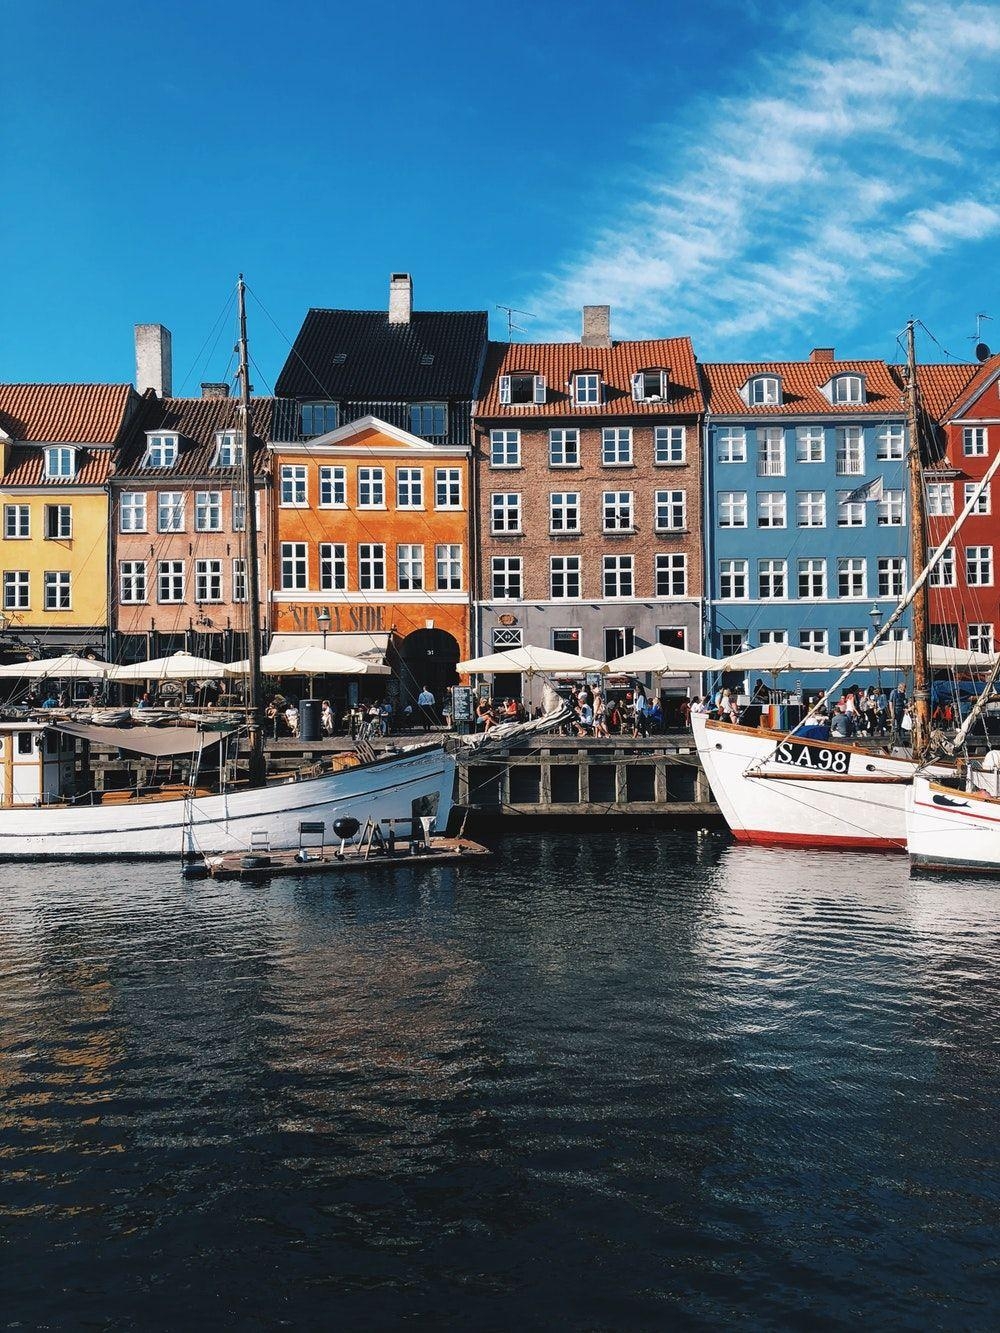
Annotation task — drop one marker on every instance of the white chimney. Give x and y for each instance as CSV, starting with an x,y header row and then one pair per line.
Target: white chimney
x,y
400,298
153,359
596,326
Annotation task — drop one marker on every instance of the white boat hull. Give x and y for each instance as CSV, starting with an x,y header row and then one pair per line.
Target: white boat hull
x,y
220,823
949,829
782,791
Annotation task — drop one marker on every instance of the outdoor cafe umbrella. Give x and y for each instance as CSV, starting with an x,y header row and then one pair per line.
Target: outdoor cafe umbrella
x,y
897,655
66,667
663,660
309,660
777,657
178,666
530,661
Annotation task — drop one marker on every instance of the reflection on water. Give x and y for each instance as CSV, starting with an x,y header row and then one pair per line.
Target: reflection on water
x,y
611,1081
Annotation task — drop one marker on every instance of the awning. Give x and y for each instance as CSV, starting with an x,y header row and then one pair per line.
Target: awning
x,y
372,647
158,742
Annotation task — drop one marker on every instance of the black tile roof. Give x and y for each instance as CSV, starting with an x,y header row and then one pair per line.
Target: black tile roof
x,y
358,354
195,422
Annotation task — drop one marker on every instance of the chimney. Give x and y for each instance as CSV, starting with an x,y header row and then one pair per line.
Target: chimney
x,y
596,326
214,390
153,362
400,298
823,354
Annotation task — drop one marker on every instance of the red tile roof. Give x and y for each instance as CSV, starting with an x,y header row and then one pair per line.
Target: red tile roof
x,y
977,377
615,364
800,386
939,386
64,413
27,468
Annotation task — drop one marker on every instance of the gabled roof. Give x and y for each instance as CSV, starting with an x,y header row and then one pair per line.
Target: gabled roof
x,y
196,422
26,467
801,382
357,354
939,385
615,364
979,378
64,413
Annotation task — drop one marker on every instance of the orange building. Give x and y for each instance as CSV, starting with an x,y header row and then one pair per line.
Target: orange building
x,y
371,549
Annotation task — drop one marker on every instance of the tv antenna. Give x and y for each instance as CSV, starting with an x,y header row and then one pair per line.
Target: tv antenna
x,y
510,311
982,351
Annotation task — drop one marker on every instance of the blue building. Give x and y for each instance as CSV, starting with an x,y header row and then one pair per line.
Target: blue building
x,y
789,557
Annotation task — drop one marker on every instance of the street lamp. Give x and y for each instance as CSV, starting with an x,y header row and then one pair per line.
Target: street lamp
x,y
323,620
875,612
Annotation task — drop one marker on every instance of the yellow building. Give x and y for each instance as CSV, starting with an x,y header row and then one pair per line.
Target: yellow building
x,y
57,444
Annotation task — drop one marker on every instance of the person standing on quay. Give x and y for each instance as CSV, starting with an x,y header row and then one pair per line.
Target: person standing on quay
x,y
898,711
425,701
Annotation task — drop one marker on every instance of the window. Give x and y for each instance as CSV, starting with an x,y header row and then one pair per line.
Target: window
x,y
940,498
732,579
812,578
293,486
767,637
58,522
853,640
847,389
564,448
810,509
332,566
979,566
890,442
617,508
809,444
16,521
586,389
170,581
973,441
208,580
409,488
447,488
670,571
946,635
504,637
132,512
60,461
851,577
505,511
943,573
506,577
618,580
239,580
850,451
980,638
813,639
982,505
732,509
673,636
564,511
239,507
15,590
161,451
371,488
57,590
333,488
618,641
616,446
670,511
208,511
567,641
294,565
669,445
650,385
764,391
732,444
505,448
772,579
371,567
890,509
891,576
228,449
170,511
317,418
132,581
429,419
564,576
448,562
770,451
850,513
732,642
409,568
522,388
771,509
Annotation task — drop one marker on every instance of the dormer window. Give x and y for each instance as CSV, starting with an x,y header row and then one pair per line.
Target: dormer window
x,y
228,449
161,451
429,420
317,418
586,389
650,386
765,391
60,461
522,387
847,389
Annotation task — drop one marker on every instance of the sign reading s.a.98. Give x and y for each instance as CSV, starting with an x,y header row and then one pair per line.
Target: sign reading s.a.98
x,y
820,758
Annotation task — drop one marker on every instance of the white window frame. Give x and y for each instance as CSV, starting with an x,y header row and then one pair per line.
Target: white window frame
x,y
980,637
170,578
410,566
505,448
616,446
170,511
890,442
810,444
770,451
17,590
332,487
733,573
847,389
294,567
670,511
669,446
731,509
132,511
670,573
651,385
850,456
772,509
979,566
239,584
208,511
586,388
526,396
371,488
506,578
207,581
447,488
941,499
294,486
57,586
975,441
58,522
943,573
850,513
16,522
618,577
983,503
505,513
409,488
332,567
891,510
60,462
564,447
228,449
809,505
565,571
448,567
131,582
814,640
371,567
852,640
618,511
890,576
852,572
772,574
811,569
564,512
764,391
731,444
161,450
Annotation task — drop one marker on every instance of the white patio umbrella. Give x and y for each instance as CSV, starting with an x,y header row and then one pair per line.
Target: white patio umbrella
x,y
778,657
663,660
310,661
897,655
531,661
179,666
67,667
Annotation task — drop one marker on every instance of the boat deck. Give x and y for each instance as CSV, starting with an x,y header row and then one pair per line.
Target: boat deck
x,y
328,860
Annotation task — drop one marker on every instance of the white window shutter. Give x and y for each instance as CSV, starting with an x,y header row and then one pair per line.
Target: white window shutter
x,y
505,388
539,389
664,384
637,386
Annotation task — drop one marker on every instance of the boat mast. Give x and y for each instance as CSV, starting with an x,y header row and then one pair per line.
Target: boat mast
x,y
921,712
255,699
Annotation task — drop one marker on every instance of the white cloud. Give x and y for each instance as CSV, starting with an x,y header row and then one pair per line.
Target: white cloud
x,y
868,161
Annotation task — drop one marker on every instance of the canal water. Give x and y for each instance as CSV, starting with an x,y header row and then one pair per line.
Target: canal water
x,y
603,1081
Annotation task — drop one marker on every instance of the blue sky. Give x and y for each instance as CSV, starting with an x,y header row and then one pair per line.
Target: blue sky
x,y
765,177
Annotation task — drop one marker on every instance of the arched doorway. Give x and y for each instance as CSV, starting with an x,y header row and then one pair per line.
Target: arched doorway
x,y
428,657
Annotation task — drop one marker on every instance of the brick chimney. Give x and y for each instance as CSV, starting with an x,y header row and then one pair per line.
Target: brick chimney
x,y
823,354
596,326
400,298
153,359
214,390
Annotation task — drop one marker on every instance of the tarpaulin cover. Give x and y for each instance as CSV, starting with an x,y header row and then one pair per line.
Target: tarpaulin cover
x,y
156,741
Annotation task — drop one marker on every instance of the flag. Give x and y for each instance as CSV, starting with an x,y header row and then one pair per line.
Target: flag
x,y
871,490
